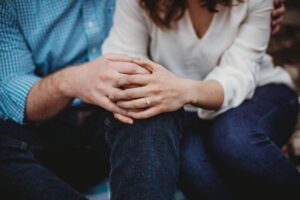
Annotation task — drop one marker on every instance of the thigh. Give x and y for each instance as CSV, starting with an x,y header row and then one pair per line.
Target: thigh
x,y
246,139
272,110
73,149
22,176
201,177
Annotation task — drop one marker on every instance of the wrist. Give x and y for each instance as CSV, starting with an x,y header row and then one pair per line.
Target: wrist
x,y
191,91
66,83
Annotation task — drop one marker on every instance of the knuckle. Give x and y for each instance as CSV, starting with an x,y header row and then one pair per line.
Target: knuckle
x,y
156,90
132,69
105,77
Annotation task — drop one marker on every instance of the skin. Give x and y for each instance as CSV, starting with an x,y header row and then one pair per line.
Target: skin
x,y
277,15
164,91
108,76
92,82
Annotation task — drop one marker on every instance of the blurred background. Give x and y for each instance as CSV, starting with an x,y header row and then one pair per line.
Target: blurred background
x,y
285,49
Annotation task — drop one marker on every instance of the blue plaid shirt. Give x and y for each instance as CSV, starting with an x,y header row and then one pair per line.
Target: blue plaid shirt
x,y
38,38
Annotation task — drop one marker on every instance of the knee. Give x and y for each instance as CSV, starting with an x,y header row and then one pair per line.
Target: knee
x,y
156,139
230,138
158,129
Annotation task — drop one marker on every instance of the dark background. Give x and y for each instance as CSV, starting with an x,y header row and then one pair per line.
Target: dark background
x,y
285,46
285,49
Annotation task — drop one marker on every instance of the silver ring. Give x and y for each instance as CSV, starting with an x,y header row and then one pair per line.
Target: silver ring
x,y
147,101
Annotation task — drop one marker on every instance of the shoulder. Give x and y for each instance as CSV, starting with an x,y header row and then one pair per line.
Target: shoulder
x,y
133,9
129,4
254,5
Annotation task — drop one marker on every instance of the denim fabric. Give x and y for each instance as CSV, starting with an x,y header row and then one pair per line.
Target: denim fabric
x,y
145,157
54,159
63,157
239,152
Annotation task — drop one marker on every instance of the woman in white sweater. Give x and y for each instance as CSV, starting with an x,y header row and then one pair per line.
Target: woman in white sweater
x,y
210,58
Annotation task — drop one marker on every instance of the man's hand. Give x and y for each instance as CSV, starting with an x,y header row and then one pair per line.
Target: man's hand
x,y
277,15
91,82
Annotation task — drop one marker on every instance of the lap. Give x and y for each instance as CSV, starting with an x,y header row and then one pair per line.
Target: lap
x,y
78,153
271,112
243,140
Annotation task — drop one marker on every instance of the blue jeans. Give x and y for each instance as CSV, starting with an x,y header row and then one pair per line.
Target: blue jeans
x,y
237,155
146,156
60,158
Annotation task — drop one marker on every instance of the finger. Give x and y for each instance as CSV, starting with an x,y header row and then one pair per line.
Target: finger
x,y
132,80
128,68
275,30
118,57
123,118
277,22
147,64
107,104
151,112
130,94
279,11
141,103
278,3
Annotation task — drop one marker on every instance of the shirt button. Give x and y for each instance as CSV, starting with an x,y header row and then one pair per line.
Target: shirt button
x,y
91,24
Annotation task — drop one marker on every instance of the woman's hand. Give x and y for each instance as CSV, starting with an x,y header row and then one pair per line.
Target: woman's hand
x,y
277,15
158,92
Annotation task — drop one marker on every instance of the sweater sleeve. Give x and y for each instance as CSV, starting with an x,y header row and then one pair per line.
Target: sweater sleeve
x,y
129,34
240,64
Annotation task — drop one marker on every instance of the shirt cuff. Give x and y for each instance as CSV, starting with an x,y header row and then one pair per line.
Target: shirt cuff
x,y
228,93
13,96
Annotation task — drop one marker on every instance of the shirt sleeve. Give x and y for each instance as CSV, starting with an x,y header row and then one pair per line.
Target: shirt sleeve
x,y
16,66
240,64
129,34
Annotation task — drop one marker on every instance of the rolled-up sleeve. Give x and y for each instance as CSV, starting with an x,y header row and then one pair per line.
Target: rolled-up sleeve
x,y
240,64
16,66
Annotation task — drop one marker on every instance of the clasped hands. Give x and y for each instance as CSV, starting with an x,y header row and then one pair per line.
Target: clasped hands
x,y
145,95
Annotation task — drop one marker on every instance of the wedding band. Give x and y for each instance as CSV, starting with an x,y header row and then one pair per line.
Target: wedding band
x,y
147,101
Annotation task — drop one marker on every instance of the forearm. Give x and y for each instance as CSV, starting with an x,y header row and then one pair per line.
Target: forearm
x,y
48,97
204,94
